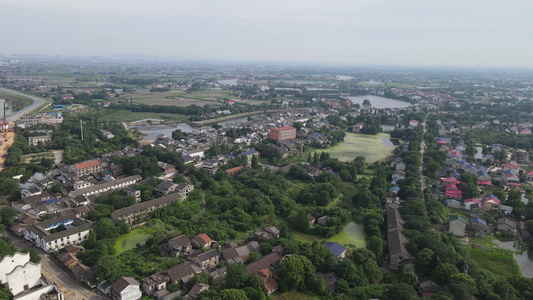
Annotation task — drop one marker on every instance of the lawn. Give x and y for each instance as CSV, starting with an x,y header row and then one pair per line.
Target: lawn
x,y
129,240
352,236
129,116
502,265
369,146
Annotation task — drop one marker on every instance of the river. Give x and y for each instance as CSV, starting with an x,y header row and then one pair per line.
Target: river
x,y
379,102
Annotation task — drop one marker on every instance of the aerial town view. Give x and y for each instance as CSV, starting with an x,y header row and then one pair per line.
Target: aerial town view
x,y
235,150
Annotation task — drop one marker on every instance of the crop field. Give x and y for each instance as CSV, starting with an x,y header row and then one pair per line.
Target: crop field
x,y
369,146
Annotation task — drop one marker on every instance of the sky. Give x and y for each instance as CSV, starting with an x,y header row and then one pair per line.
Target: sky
x,y
354,32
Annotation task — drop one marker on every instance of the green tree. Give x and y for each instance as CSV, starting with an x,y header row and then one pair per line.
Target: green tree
x,y
444,273
236,275
375,244
232,294
291,270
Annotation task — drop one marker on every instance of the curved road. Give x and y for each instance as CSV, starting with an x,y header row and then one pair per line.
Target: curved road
x,y
37,102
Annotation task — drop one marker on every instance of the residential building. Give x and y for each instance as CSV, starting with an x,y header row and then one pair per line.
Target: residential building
x,y
399,257
126,288
507,225
195,290
107,186
86,167
336,249
457,225
240,254
271,285
207,260
23,278
282,133
76,231
202,241
179,245
479,225
267,233
134,213
155,282
234,171
181,273
43,139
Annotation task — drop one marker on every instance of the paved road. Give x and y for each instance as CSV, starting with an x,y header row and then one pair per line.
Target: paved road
x,y
37,102
51,270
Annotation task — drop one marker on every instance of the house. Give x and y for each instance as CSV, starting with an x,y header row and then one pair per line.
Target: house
x,y
414,123
479,225
428,288
240,254
507,225
490,202
134,213
202,241
84,274
234,171
249,154
451,203
269,261
399,257
207,260
166,168
457,225
510,178
401,166
195,290
155,282
126,288
511,167
312,220
322,220
166,187
336,249
184,189
179,245
181,273
477,210
267,233
529,176
106,186
24,279
271,285
86,167
506,210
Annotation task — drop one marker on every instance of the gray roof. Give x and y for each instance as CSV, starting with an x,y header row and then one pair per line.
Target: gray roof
x,y
396,238
104,185
144,205
122,283
179,272
207,255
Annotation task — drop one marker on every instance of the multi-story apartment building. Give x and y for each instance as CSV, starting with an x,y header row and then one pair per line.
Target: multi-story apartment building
x,y
283,133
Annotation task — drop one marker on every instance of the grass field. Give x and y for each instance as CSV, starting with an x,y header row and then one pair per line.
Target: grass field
x,y
129,116
369,146
352,236
501,265
129,240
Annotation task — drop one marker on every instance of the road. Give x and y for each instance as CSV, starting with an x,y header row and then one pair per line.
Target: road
x,y
72,290
422,151
37,102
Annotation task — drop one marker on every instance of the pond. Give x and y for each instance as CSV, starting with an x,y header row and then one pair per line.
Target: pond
x,y
129,240
352,234
379,102
372,147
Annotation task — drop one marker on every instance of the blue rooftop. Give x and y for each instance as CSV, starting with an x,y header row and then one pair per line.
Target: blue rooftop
x,y
335,248
252,151
478,220
50,201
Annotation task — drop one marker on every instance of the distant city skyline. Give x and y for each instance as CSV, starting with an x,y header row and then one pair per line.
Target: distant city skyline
x,y
355,32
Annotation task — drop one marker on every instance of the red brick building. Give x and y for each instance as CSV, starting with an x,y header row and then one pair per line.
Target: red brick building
x,y
283,133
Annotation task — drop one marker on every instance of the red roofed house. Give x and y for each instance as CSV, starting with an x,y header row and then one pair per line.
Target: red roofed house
x,y
86,167
202,241
234,171
283,133
492,204
230,102
529,176
64,97
271,285
511,167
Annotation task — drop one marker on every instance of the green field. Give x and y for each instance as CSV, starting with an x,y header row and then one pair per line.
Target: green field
x,y
369,146
400,85
352,236
502,265
129,240
129,116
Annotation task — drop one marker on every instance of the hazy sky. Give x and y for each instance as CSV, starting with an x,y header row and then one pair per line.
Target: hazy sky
x,y
397,32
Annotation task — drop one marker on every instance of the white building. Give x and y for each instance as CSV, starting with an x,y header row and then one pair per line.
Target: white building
x,y
126,288
23,278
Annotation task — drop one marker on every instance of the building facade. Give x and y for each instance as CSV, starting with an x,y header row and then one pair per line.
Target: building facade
x,y
282,133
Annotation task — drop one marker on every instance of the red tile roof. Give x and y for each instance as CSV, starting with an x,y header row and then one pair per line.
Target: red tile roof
x,y
87,164
205,238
